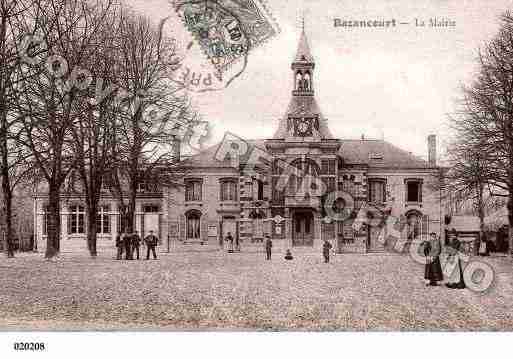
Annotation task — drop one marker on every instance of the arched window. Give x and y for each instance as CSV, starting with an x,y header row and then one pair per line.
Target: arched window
x,y
103,220
76,219
228,190
193,219
303,169
299,81
306,82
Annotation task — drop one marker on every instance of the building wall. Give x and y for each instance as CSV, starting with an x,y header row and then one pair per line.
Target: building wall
x,y
213,211
76,241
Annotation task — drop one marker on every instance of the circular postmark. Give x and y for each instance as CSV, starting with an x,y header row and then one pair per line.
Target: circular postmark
x,y
215,39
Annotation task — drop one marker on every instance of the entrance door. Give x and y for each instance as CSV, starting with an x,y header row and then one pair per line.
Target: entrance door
x,y
303,230
151,223
229,225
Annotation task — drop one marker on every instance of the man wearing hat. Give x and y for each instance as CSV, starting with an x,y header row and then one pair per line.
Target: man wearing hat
x,y
268,247
151,241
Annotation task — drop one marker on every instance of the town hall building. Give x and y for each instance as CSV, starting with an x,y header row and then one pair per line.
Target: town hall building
x,y
222,192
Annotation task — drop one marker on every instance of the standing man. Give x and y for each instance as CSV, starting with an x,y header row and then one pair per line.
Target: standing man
x,y
151,241
237,243
268,247
136,243
229,239
119,246
326,247
127,242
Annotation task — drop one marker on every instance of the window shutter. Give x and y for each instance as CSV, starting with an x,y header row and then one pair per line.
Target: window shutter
x,y
182,227
204,228
70,216
420,191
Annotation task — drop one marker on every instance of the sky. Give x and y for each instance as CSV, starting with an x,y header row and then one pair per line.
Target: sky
x,y
397,83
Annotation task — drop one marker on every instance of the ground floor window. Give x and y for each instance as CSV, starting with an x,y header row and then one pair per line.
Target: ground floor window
x,y
76,220
103,220
193,219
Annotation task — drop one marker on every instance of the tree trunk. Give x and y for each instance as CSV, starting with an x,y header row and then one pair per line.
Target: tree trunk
x,y
131,212
7,197
92,210
481,215
53,222
510,221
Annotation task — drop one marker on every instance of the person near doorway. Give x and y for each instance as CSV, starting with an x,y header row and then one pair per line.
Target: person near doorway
x,y
326,247
433,270
229,239
237,243
119,246
455,280
151,242
136,243
268,247
127,243
484,248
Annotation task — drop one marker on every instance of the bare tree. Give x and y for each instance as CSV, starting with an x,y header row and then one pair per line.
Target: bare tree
x,y
486,121
468,176
15,19
94,134
52,96
146,129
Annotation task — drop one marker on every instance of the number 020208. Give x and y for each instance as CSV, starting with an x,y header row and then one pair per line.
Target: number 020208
x,y
29,346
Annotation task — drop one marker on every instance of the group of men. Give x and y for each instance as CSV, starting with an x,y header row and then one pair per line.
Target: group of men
x,y
131,242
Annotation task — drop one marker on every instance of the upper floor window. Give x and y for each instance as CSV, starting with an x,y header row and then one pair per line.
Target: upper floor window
x,y
103,220
377,190
277,193
228,190
347,185
328,166
260,190
193,190
413,190
76,220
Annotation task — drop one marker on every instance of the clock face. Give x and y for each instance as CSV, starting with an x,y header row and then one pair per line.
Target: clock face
x,y
303,127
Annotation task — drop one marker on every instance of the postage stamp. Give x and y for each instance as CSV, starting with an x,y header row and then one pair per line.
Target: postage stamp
x,y
226,31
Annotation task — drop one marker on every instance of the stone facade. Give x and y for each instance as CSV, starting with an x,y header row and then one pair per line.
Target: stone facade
x,y
231,192
373,173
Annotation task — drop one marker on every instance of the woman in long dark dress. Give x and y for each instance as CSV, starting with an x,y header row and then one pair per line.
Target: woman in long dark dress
x,y
455,280
433,270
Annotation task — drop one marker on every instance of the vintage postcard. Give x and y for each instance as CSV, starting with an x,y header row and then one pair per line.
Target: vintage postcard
x,y
256,165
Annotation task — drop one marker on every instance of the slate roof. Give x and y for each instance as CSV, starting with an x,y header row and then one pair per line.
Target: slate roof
x,y
303,53
304,106
369,151
352,152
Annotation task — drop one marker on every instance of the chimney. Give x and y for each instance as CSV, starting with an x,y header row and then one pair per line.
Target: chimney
x,y
432,150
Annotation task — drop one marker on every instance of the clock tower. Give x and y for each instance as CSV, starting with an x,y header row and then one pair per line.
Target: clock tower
x,y
303,121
